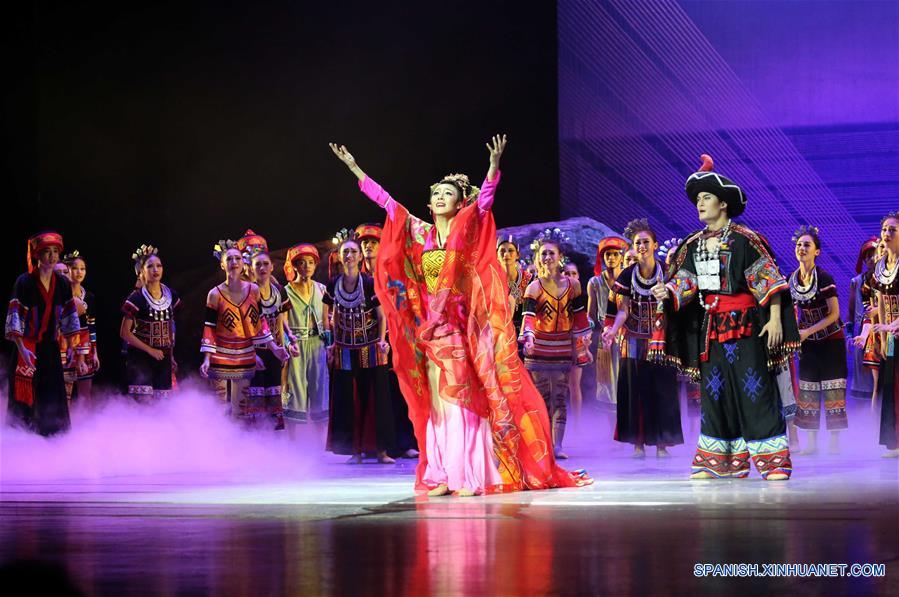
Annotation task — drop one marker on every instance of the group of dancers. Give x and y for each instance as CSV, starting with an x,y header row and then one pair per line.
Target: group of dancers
x,y
432,339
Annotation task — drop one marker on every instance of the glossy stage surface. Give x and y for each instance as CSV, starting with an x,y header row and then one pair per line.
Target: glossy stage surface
x,y
325,527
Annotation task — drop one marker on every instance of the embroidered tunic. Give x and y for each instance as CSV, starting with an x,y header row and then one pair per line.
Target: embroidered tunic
x,y
231,333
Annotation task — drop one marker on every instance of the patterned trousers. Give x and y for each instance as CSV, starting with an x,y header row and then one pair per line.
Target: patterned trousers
x,y
741,414
553,386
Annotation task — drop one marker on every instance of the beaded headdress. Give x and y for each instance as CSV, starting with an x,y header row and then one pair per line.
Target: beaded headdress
x,y
222,247
669,246
461,182
141,255
68,258
552,235
805,230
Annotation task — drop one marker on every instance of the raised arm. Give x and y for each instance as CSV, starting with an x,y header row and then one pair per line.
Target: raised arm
x,y
496,147
372,190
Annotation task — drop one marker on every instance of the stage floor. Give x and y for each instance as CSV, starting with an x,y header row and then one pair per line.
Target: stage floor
x,y
333,528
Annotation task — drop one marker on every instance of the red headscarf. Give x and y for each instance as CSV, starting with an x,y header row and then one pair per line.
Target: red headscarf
x,y
609,243
868,246
251,239
39,242
294,253
368,231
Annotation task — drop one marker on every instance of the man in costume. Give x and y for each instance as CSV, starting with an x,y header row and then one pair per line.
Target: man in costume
x,y
41,312
732,327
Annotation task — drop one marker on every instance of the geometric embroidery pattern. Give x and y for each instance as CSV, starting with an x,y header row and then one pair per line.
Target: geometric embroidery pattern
x,y
731,352
229,320
752,384
714,383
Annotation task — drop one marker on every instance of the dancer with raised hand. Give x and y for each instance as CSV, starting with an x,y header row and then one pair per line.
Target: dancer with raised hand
x,y
148,329
453,345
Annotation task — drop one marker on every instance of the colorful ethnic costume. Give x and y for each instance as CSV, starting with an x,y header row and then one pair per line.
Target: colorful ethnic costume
x,y
822,359
230,335
454,350
40,317
87,344
154,325
305,397
558,324
358,368
721,290
404,439
648,403
264,393
881,348
599,290
861,384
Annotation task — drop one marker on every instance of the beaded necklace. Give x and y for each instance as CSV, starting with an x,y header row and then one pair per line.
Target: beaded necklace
x,y
708,264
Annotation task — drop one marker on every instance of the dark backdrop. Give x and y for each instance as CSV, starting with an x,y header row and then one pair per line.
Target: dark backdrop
x,y
181,124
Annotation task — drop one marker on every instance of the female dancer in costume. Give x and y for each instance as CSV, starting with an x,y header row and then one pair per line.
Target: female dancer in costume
x,y
881,328
518,277
87,345
862,384
41,314
264,393
453,345
148,330
822,358
575,374
358,360
599,288
234,327
305,396
648,405
404,444
554,330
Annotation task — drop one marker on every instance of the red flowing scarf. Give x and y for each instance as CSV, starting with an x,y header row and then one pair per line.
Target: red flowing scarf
x,y
466,325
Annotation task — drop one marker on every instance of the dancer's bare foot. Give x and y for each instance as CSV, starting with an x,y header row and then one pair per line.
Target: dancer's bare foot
x,y
560,455
465,493
383,458
777,477
809,451
834,447
701,475
438,491
891,454
639,452
410,453
662,452
355,459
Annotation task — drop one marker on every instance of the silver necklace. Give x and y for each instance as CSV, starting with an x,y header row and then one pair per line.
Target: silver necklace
x,y
882,274
800,293
160,304
347,299
641,285
708,265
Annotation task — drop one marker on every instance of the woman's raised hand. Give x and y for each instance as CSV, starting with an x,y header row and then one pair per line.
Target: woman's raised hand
x,y
343,154
496,147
